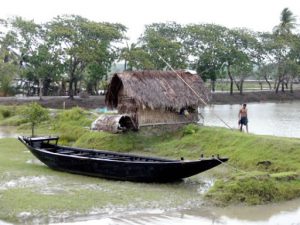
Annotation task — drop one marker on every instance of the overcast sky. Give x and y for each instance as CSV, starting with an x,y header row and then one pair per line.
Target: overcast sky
x,y
258,15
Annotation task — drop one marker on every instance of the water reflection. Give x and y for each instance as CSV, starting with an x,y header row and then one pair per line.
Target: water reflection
x,y
279,119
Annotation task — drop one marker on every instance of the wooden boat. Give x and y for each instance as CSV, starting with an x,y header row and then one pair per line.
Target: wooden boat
x,y
111,165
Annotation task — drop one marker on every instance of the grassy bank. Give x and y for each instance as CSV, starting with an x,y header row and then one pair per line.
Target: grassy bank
x,y
263,169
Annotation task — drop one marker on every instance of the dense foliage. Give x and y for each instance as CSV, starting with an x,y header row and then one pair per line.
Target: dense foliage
x,y
70,53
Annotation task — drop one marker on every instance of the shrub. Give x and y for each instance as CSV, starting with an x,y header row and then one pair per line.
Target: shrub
x,y
35,114
190,129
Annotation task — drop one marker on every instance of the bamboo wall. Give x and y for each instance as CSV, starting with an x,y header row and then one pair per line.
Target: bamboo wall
x,y
146,116
149,117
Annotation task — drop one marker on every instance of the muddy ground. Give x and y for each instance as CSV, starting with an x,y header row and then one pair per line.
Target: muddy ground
x,y
93,102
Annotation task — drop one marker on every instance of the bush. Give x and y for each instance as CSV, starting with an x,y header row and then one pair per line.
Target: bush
x,y
190,129
35,114
7,111
253,190
70,133
74,116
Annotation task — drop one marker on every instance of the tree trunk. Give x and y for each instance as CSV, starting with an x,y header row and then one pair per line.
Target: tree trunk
x,y
46,86
277,86
231,79
32,130
291,86
213,85
276,83
286,83
125,65
75,87
71,92
260,84
241,86
282,85
237,84
268,82
41,88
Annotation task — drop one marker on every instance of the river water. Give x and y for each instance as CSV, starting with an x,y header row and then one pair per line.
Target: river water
x,y
280,119
287,213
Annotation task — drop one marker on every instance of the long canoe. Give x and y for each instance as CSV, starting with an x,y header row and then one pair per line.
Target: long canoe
x,y
112,165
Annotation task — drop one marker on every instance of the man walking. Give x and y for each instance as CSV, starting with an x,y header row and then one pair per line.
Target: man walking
x,y
243,117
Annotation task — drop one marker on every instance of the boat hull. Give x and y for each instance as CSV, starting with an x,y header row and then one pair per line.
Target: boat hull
x,y
146,169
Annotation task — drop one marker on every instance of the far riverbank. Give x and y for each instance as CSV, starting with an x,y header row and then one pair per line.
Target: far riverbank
x,y
92,102
257,96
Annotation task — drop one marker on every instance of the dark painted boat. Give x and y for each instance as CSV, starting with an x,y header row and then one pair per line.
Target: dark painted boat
x,y
111,165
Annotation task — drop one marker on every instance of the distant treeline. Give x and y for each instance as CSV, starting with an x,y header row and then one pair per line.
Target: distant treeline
x,y
70,54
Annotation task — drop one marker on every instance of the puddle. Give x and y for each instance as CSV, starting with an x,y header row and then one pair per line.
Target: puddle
x,y
8,132
23,182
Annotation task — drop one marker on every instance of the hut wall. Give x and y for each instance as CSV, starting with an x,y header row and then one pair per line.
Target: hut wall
x,y
146,116
160,117
157,130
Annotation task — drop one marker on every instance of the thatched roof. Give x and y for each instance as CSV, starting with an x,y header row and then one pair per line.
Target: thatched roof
x,y
157,89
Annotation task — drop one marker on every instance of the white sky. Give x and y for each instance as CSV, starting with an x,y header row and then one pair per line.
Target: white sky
x,y
258,15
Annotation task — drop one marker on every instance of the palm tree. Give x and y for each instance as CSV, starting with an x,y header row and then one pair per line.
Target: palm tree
x,y
287,23
126,55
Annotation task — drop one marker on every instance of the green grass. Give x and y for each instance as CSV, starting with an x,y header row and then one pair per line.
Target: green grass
x,y
246,151
272,158
270,166
255,189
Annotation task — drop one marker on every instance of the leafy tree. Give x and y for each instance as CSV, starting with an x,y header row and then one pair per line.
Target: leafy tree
x,y
202,42
136,58
35,114
25,39
282,43
27,36
8,63
161,39
81,42
215,48
7,74
44,66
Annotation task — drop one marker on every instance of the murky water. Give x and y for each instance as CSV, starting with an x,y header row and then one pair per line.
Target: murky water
x,y
8,131
287,213
279,119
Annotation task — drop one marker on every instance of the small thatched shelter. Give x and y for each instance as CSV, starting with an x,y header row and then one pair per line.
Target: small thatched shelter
x,y
113,123
157,97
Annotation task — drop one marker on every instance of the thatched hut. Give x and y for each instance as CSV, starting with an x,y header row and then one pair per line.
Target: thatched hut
x,y
157,97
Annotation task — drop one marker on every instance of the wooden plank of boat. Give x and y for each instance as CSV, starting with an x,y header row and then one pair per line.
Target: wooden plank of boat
x,y
112,165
